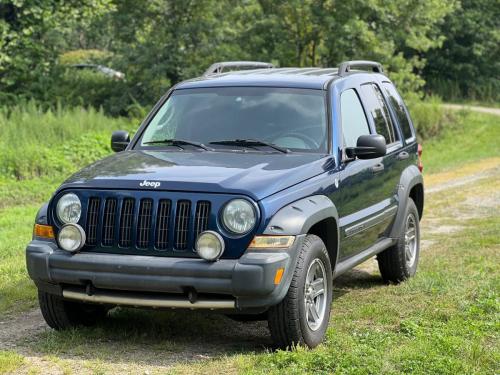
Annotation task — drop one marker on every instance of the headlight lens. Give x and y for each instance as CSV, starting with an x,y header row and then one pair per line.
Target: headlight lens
x,y
69,208
239,216
210,245
71,237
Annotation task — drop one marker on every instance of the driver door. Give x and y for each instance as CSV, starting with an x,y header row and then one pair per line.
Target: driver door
x,y
361,194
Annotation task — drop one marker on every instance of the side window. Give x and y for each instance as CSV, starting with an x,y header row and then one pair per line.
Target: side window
x,y
398,105
372,97
354,121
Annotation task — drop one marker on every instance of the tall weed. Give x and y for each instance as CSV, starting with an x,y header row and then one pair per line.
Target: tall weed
x,y
429,117
36,142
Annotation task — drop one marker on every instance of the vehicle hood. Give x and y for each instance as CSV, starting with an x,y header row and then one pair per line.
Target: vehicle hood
x,y
257,175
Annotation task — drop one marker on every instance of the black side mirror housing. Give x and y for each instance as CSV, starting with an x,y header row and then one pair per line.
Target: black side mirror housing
x,y
120,139
368,146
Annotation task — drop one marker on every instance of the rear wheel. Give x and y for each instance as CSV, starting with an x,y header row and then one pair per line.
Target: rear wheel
x,y
62,314
400,261
303,315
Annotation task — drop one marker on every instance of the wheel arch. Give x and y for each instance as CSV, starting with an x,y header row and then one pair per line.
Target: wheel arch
x,y
411,185
312,215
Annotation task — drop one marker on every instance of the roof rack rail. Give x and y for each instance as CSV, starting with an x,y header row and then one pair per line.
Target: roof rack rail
x,y
218,67
346,66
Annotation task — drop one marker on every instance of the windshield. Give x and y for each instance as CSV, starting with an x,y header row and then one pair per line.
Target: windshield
x,y
293,119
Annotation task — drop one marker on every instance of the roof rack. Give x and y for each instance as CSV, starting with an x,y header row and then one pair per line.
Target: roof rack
x,y
218,67
346,66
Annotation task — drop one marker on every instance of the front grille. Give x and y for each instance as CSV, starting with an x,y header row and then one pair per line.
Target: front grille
x,y
127,217
201,217
92,221
182,224
145,224
163,221
108,224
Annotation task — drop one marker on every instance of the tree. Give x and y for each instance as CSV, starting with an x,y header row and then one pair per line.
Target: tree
x,y
468,63
32,34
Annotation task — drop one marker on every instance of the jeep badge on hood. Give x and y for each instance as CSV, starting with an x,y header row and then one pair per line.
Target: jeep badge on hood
x,y
153,184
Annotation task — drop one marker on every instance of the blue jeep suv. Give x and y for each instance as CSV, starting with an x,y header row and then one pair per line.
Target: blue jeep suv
x,y
247,191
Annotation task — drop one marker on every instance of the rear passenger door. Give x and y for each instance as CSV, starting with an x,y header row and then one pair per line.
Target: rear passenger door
x,y
408,154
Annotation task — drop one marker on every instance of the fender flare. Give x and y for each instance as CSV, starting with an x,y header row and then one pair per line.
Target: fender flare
x,y
410,177
41,215
299,217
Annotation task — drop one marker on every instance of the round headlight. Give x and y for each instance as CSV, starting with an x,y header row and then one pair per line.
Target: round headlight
x,y
210,245
71,237
69,208
239,216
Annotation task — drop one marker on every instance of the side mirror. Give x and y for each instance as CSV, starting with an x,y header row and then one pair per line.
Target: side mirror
x,y
119,140
369,146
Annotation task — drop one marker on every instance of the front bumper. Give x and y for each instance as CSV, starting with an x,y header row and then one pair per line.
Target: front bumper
x,y
248,281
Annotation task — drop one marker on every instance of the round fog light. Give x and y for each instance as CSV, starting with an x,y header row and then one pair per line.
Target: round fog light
x,y
71,237
210,245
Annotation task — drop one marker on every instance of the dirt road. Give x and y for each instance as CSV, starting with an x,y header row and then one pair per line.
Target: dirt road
x,y
474,108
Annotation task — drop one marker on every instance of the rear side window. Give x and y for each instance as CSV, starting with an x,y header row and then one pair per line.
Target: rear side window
x,y
353,116
399,108
372,97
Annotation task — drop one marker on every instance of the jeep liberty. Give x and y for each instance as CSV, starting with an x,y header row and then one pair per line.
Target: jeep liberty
x,y
246,191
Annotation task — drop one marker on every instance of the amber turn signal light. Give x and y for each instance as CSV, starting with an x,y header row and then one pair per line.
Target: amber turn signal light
x,y
278,276
43,231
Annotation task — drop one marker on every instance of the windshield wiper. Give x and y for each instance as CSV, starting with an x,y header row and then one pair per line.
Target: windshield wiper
x,y
179,143
250,143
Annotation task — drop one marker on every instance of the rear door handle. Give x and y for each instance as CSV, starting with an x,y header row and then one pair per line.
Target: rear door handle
x,y
403,155
378,168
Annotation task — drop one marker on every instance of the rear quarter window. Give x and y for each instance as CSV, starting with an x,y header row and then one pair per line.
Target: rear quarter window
x,y
397,104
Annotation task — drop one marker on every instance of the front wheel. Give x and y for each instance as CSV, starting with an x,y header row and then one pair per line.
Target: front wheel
x,y
303,315
61,314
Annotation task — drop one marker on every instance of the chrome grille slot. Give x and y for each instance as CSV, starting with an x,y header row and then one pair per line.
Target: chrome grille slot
x,y
182,224
92,220
108,223
162,223
201,218
126,220
144,223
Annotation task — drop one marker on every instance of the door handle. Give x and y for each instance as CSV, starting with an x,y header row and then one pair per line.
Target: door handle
x,y
403,155
378,168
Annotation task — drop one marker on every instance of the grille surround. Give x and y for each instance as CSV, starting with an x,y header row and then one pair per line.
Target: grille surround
x,y
146,223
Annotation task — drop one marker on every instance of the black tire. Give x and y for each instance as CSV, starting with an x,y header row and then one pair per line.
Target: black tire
x,y
394,263
61,314
288,321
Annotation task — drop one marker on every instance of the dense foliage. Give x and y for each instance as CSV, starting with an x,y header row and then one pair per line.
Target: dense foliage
x,y
157,43
468,64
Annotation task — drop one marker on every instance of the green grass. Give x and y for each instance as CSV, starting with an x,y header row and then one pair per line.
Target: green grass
x,y
17,292
10,361
473,136
38,150
35,143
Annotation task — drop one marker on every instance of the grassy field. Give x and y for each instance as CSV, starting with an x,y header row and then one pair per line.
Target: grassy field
x,y
445,320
